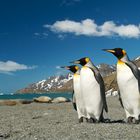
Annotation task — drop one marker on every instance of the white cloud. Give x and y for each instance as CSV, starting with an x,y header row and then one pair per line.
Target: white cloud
x,y
88,27
10,66
37,34
69,2
41,35
128,30
61,36
58,67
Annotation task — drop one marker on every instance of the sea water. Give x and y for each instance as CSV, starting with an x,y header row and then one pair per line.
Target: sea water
x,y
29,96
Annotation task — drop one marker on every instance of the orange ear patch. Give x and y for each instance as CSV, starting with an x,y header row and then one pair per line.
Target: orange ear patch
x,y
87,59
76,67
124,52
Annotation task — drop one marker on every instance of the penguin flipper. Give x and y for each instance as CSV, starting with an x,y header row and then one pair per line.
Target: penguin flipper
x,y
102,87
135,71
120,99
74,101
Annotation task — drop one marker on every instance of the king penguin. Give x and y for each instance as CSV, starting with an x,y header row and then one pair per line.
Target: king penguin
x,y
93,90
77,99
128,79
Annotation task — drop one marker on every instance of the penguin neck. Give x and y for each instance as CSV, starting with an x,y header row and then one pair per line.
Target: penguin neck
x,y
123,60
77,72
90,65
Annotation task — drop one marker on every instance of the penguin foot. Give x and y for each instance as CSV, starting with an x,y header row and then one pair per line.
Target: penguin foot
x,y
132,120
81,120
91,120
86,119
97,121
135,121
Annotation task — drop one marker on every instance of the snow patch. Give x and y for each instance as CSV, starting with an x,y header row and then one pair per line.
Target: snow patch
x,y
137,58
53,82
111,93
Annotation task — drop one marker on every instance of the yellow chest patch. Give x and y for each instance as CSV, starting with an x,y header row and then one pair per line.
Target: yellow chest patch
x,y
85,67
76,75
120,62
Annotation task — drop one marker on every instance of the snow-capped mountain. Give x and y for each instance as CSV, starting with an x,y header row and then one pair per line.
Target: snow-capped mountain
x,y
52,84
55,82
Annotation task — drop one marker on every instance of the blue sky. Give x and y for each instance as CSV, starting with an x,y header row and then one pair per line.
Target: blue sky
x,y
36,36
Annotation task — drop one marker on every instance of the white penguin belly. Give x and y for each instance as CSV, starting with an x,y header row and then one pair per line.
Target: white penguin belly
x,y
128,86
78,95
91,93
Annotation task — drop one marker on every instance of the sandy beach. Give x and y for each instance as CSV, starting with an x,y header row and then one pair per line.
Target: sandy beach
x,y
44,121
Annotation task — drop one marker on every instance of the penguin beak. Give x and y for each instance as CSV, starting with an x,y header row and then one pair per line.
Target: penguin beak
x,y
109,50
75,62
65,67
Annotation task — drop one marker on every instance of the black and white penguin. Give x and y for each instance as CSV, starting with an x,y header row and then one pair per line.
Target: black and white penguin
x,y
93,90
77,99
128,79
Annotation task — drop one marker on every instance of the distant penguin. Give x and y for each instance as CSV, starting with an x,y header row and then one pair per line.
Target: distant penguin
x,y
128,79
93,90
77,96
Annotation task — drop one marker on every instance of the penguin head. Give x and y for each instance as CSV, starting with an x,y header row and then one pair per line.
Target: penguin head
x,y
82,61
118,52
72,68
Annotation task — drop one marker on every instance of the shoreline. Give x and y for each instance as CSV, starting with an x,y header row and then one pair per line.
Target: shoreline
x,y
59,121
32,96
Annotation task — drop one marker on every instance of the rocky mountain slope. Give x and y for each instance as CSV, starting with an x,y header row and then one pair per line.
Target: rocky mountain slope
x,y
63,83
